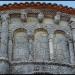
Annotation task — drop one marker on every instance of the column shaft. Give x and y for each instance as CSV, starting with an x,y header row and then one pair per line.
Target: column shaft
x,y
4,63
71,52
4,37
51,48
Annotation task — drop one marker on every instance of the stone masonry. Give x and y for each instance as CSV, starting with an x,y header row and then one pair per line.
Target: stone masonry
x,y
31,42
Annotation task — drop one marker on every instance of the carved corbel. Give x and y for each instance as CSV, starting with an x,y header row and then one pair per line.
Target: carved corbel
x,y
24,16
40,17
4,17
57,18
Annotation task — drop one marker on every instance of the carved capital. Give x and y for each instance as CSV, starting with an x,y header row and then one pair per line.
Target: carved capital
x,y
73,25
50,36
30,37
69,38
23,15
40,17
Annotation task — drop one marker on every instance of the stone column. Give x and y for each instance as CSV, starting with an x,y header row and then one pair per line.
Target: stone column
x,y
51,46
73,35
30,49
73,32
4,45
72,59
4,36
10,47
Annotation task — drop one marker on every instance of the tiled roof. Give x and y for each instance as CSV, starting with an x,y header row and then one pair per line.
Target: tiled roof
x,y
38,5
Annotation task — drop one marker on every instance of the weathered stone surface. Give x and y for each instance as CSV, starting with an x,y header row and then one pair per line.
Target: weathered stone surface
x,y
57,18
33,47
4,68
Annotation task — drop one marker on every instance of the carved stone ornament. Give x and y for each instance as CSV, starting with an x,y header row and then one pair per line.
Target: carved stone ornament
x,y
57,18
24,16
73,24
40,17
4,17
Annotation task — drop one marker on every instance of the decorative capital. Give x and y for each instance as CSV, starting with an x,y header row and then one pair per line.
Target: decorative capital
x,y
30,37
73,25
69,38
51,36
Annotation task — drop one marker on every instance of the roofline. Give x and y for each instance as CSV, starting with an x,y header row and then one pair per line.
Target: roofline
x,y
38,5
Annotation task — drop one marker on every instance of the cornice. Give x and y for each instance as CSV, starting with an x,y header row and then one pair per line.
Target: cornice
x,y
38,5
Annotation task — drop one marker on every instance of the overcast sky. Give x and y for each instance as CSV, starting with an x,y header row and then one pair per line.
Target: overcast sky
x,y
64,3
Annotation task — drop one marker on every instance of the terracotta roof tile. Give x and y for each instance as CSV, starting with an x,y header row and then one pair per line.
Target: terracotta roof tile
x,y
38,5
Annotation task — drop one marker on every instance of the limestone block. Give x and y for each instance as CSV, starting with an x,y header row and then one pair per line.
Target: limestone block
x,y
48,21
32,20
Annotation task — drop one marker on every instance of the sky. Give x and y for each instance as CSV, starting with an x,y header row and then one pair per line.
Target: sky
x,y
64,3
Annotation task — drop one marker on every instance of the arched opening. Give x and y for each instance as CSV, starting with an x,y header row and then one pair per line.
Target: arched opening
x,y
41,47
61,51
20,44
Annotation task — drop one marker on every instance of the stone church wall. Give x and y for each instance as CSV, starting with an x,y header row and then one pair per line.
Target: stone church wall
x,y
35,44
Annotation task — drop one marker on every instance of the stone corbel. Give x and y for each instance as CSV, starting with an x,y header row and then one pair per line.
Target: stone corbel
x,y
4,17
57,18
40,17
24,16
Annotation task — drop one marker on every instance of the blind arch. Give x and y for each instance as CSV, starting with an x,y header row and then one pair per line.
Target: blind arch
x,y
20,44
41,47
61,51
